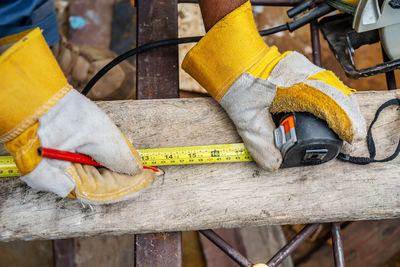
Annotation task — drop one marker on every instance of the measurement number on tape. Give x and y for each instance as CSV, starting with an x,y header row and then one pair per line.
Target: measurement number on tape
x,y
167,156
195,155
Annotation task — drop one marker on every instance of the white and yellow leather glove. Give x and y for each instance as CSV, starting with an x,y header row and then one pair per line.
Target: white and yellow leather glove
x,y
250,80
38,108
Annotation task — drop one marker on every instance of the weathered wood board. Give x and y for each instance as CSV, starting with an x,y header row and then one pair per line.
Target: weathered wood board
x,y
214,195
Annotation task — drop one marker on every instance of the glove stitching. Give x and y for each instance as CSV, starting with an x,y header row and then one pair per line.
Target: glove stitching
x,y
25,148
241,69
285,65
259,62
22,126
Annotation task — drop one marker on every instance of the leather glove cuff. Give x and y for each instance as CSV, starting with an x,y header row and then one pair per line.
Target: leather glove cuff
x,y
229,48
31,82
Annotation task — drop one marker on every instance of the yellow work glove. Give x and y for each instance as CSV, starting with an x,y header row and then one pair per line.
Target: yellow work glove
x,y
250,80
39,108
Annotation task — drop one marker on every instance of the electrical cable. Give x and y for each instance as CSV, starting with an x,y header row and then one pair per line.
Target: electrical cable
x,y
319,11
162,43
133,52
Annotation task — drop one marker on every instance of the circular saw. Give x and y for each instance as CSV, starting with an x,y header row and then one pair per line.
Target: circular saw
x,y
383,16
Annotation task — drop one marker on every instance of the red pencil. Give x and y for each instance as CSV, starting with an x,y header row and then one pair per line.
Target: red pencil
x,y
74,157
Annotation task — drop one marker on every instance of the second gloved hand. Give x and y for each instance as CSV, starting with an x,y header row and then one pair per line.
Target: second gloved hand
x,y
40,109
250,80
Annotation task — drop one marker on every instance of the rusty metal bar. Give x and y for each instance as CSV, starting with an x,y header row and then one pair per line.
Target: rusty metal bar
x,y
292,245
338,254
259,2
64,252
315,43
225,247
160,249
157,70
157,77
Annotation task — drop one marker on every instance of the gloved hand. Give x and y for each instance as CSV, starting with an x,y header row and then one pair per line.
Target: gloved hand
x,y
39,108
250,80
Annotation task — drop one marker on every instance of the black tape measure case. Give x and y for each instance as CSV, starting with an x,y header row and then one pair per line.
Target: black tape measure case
x,y
303,139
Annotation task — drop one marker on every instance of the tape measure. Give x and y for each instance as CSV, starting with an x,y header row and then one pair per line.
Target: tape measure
x,y
167,156
195,155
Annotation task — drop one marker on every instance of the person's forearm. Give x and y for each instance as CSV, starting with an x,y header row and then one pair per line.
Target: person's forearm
x,y
214,10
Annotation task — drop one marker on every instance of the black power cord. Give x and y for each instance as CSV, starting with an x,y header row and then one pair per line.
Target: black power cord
x,y
133,52
162,43
318,11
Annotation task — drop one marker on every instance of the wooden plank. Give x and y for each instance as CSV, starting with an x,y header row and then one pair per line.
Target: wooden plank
x,y
368,243
214,195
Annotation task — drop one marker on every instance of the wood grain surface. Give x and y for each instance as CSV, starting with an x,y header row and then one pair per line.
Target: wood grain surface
x,y
214,195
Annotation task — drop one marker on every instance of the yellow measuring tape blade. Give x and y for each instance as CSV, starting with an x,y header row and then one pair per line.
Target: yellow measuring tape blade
x,y
195,155
8,167
167,156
